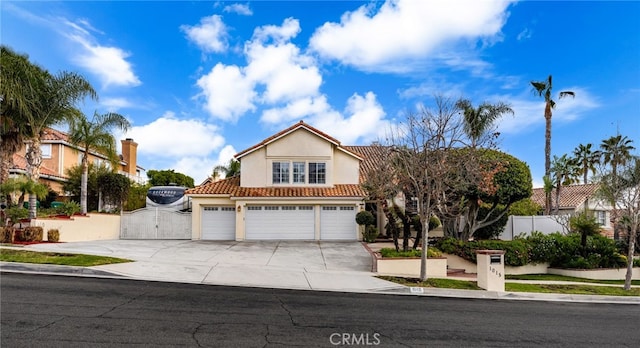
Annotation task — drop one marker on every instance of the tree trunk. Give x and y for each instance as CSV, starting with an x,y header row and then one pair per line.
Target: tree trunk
x,y
424,218
418,227
34,160
557,207
83,184
547,153
630,254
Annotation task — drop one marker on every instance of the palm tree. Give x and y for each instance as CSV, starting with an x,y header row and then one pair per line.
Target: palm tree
x,y
19,81
478,121
55,101
95,136
543,89
231,169
587,160
564,171
616,151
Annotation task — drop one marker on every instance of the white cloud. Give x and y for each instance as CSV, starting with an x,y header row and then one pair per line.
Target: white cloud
x,y
241,9
210,35
107,62
170,137
405,30
526,33
114,104
227,91
289,29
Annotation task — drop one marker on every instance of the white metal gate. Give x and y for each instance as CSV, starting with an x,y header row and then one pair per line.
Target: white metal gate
x,y
155,223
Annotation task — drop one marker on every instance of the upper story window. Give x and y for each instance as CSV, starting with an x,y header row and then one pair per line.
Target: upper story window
x,y
601,217
280,172
317,173
46,150
300,173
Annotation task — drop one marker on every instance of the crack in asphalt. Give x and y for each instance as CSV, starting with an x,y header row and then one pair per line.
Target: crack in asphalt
x,y
283,306
195,332
122,304
47,325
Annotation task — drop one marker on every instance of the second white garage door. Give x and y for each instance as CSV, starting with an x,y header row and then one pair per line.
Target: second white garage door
x,y
218,223
280,222
338,223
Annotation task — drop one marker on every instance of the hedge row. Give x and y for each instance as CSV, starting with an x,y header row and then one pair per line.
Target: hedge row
x,y
562,251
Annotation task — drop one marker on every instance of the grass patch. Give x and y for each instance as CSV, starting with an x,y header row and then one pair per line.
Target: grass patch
x,y
557,277
434,283
572,289
518,287
11,255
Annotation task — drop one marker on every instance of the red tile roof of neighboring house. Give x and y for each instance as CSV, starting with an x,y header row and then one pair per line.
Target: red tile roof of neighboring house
x,y
571,196
372,156
284,132
231,187
50,134
20,165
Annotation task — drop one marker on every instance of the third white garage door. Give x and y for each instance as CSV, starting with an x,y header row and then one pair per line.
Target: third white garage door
x,y
280,222
338,223
219,223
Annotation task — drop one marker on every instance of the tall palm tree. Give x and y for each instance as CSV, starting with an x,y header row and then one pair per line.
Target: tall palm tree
x,y
95,136
616,151
544,89
478,121
19,79
586,159
55,101
231,169
564,171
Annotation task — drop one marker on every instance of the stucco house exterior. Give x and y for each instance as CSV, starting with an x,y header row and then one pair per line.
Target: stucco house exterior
x,y
299,184
58,155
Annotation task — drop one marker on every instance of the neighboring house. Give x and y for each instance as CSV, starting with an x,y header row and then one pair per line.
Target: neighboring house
x,y
578,198
58,155
299,184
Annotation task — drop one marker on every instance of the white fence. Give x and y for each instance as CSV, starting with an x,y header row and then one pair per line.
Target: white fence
x,y
524,225
155,223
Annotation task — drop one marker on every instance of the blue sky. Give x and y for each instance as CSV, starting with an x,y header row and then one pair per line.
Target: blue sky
x,y
201,81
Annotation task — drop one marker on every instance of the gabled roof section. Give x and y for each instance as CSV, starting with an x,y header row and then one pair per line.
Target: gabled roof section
x,y
372,156
285,132
571,196
231,187
50,134
20,166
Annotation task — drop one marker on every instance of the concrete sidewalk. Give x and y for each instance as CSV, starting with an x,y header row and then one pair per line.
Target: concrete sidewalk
x,y
320,266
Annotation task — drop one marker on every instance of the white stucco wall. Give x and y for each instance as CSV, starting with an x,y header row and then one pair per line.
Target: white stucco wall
x,y
346,168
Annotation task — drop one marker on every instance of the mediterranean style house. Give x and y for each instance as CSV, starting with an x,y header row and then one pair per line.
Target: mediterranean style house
x,y
299,184
58,155
579,198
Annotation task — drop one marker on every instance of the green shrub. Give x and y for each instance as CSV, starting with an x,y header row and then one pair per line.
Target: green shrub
x,y
17,213
53,235
370,234
391,253
69,208
365,218
636,262
32,234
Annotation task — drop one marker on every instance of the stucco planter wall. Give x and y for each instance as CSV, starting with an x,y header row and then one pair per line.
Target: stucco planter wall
x,y
456,262
599,274
83,228
410,267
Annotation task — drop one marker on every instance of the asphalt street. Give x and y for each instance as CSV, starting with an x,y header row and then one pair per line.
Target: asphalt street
x,y
56,311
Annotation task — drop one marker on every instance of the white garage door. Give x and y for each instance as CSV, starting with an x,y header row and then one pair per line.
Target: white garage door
x,y
338,223
218,223
279,222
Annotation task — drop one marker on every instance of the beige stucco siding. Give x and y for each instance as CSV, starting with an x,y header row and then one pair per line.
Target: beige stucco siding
x,y
345,168
196,209
300,144
254,169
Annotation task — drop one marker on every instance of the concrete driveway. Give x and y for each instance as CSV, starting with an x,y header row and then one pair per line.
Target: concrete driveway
x,y
344,266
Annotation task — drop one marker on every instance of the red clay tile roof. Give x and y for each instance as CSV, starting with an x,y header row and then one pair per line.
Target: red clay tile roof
x,y
372,155
20,165
231,187
50,134
282,133
570,196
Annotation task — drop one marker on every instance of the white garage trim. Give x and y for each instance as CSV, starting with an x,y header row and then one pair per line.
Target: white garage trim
x,y
279,222
218,223
338,223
